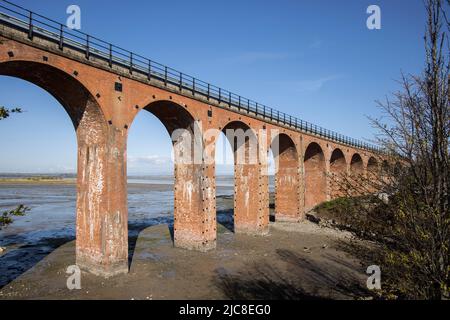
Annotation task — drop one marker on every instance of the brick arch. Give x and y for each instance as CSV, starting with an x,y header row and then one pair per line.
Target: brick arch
x,y
386,168
315,176
372,165
73,96
248,217
287,148
338,163
245,144
185,135
356,164
184,131
287,182
94,168
338,169
172,115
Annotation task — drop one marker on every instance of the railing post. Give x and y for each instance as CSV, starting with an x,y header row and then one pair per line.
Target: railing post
x,y
87,47
110,55
293,121
131,62
165,76
30,27
149,76
61,37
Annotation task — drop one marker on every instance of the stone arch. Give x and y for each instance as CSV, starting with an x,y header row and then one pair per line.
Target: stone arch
x,y
373,166
183,129
287,181
385,168
101,200
356,165
73,96
190,223
315,176
338,169
248,216
243,140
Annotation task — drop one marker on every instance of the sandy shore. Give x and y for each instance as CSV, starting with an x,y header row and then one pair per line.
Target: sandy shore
x,y
295,261
37,181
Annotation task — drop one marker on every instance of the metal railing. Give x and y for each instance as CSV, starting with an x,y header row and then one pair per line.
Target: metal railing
x,y
36,25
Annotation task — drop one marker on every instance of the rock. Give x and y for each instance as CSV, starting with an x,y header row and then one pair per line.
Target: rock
x,y
384,197
2,250
311,217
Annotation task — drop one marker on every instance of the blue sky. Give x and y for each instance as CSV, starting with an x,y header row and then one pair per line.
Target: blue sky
x,y
314,59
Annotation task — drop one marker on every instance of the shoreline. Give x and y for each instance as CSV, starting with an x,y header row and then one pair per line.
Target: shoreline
x,y
42,181
288,263
73,182
294,261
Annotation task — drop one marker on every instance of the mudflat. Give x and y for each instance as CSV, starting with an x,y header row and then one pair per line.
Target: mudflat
x,y
295,261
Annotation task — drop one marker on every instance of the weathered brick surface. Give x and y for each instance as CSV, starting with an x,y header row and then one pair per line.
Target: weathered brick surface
x,y
288,180
102,117
338,165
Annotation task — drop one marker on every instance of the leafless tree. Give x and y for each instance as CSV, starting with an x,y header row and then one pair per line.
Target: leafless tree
x,y
404,205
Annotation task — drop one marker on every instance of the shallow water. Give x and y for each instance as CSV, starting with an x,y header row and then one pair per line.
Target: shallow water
x,y
51,221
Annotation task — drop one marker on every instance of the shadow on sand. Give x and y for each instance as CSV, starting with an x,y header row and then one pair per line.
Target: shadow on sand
x,y
28,253
302,279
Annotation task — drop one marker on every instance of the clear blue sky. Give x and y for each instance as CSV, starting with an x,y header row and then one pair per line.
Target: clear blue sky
x,y
314,59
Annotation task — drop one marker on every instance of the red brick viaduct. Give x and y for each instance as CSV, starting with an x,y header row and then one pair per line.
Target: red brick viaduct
x,y
103,97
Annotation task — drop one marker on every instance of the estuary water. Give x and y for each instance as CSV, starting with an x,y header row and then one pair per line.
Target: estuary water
x,y
51,221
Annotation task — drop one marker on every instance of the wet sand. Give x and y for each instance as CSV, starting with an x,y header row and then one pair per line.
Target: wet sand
x,y
295,261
